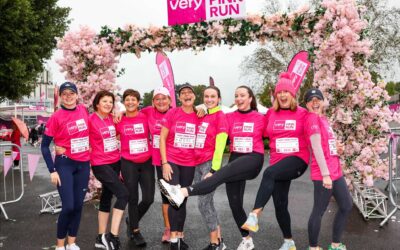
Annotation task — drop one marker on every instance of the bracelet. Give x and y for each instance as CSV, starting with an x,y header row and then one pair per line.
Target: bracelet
x,y
162,164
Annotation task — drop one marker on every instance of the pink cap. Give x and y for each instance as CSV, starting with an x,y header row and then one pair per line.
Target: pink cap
x,y
161,90
285,83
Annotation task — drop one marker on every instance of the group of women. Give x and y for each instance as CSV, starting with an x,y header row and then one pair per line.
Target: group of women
x,y
186,150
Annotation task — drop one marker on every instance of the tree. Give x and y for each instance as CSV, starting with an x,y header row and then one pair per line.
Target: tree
x,y
28,31
262,67
148,98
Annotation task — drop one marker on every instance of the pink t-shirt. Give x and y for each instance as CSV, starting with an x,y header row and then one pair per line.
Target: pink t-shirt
x,y
316,124
103,140
246,131
207,130
70,130
154,119
134,137
285,129
181,138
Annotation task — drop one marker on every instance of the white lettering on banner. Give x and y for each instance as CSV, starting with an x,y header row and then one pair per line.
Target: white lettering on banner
x,y
138,146
164,69
243,144
200,140
156,141
332,147
110,144
184,140
221,9
139,129
299,68
248,127
185,4
79,145
287,145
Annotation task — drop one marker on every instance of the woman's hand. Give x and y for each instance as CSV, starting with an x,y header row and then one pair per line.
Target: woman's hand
x,y
339,147
167,171
117,116
207,175
55,179
59,150
327,182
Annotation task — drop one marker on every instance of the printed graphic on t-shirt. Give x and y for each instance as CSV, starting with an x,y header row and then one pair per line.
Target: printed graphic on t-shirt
x,y
243,144
156,141
203,127
332,147
76,126
133,129
240,127
157,125
79,145
109,139
138,146
284,125
185,128
200,140
287,145
184,140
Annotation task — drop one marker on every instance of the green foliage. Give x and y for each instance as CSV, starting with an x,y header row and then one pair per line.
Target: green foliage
x,y
393,88
28,29
148,98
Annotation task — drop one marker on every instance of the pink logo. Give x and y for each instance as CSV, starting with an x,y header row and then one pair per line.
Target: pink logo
x,y
180,127
72,128
237,127
105,133
279,125
185,11
128,130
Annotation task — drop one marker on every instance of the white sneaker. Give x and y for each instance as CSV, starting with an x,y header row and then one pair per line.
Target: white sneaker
x,y
60,248
172,192
73,246
288,245
246,244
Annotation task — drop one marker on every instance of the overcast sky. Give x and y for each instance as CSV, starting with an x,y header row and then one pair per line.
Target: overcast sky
x,y
222,63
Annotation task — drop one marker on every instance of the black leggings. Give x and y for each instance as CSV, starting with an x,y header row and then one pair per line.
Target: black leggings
x,y
183,176
276,183
321,200
108,175
241,167
159,177
136,174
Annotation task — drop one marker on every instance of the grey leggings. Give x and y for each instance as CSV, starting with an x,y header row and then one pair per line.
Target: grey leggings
x,y
321,200
206,202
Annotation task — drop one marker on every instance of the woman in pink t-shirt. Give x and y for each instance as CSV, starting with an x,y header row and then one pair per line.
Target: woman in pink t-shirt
x,y
245,132
289,157
69,128
155,114
177,142
136,167
326,173
106,167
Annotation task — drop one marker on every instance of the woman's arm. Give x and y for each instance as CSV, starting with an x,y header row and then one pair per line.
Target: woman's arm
x,y
166,168
320,158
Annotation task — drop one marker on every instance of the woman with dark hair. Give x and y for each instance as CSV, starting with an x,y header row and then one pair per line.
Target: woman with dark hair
x,y
70,170
245,131
289,156
136,167
106,167
211,138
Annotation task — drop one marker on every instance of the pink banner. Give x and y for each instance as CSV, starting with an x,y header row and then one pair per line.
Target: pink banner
x,y
298,67
394,107
33,161
193,11
8,161
167,76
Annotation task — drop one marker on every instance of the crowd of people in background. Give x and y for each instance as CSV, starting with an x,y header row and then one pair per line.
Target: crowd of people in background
x,y
181,149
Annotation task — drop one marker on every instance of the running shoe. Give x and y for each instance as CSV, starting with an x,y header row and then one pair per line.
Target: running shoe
x,y
221,244
246,244
113,242
251,223
73,246
138,239
172,192
212,246
340,247
100,244
166,235
288,245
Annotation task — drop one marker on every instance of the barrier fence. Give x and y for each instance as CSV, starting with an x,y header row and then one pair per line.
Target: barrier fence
x,y
12,186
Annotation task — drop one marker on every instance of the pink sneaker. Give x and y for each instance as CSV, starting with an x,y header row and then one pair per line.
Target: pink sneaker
x,y
166,235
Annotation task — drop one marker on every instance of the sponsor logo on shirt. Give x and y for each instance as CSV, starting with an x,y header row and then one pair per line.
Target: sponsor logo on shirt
x,y
284,125
76,126
239,127
139,129
203,127
185,128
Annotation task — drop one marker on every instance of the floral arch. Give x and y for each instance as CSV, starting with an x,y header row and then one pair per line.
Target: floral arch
x,y
339,53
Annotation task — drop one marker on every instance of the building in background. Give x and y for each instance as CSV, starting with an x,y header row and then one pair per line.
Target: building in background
x,y
38,106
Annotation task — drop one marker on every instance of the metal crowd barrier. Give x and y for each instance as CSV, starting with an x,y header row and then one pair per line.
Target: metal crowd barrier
x,y
15,193
393,175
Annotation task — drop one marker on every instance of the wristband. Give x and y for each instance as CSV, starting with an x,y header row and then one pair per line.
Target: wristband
x,y
162,164
212,171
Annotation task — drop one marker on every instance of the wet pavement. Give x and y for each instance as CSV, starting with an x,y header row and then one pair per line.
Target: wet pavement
x,y
32,230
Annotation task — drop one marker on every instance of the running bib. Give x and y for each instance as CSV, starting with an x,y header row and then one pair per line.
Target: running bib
x,y
332,147
110,144
79,145
156,141
200,140
243,144
138,146
184,140
287,145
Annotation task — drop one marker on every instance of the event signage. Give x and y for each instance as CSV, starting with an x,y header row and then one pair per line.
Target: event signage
x,y
297,68
192,11
167,76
